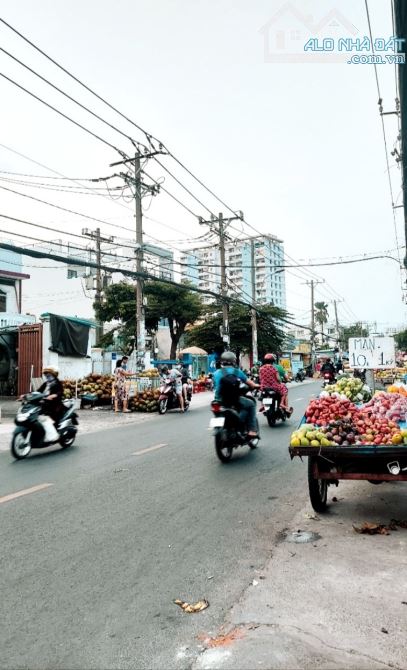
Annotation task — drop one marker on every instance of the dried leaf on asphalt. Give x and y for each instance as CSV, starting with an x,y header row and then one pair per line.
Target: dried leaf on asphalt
x,y
192,609
384,630
312,516
368,528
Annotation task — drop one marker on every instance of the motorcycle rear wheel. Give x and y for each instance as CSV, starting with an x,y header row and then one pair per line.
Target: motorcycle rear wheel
x,y
271,420
162,406
223,450
20,444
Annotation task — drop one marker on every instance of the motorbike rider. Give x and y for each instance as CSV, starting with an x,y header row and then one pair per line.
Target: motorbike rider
x,y
185,380
175,377
247,407
53,392
269,378
328,368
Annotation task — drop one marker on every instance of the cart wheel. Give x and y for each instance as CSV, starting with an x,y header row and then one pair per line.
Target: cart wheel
x,y
318,488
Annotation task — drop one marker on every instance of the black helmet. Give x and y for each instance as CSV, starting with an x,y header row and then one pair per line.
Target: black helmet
x,y
228,358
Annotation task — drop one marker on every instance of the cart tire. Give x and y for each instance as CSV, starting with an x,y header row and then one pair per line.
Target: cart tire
x,y
318,488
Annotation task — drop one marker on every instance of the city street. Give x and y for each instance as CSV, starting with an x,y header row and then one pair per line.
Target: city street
x,y
128,520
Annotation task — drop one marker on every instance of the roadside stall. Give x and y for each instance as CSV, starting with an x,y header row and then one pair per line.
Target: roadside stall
x,y
352,432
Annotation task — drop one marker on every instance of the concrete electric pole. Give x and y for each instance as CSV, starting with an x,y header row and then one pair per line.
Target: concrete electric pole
x,y
255,352
95,235
220,230
140,189
312,283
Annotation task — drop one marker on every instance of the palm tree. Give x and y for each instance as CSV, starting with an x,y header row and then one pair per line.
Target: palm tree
x,y
321,315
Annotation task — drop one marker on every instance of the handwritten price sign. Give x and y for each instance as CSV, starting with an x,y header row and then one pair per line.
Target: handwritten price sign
x,y
372,353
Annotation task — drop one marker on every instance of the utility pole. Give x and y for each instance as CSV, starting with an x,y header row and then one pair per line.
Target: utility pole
x,y
221,232
312,283
140,320
140,189
95,235
255,352
338,334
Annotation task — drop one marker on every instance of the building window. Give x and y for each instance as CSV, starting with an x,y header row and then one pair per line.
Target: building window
x,y
3,301
72,274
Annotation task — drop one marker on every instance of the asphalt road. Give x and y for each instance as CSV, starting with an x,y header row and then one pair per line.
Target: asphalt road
x,y
91,565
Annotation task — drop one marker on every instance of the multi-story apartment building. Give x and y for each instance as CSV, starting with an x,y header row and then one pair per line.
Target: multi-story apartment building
x,y
201,267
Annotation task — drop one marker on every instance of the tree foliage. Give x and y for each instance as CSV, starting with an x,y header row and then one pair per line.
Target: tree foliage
x,y
164,301
401,340
179,306
321,315
270,335
354,330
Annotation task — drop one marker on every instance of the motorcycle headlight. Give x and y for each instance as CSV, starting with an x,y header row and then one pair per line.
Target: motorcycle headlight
x,y
22,417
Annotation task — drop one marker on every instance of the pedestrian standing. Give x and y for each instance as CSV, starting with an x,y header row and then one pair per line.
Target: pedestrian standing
x,y
120,388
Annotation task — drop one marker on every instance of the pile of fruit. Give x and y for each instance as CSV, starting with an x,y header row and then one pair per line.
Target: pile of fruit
x,y
145,401
334,421
100,385
401,389
69,388
152,373
392,406
351,388
321,411
94,383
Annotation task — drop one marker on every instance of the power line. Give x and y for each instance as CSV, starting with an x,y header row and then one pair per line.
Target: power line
x,y
56,88
65,116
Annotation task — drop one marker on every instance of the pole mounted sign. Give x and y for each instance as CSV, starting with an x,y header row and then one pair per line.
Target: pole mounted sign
x,y
372,353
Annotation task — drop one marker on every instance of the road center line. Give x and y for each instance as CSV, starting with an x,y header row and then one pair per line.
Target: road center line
x,y
297,399
24,492
146,451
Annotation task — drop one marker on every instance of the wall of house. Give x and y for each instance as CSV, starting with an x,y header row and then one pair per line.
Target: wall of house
x,y
11,297
70,367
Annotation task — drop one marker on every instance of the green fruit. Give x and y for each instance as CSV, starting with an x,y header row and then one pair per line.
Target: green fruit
x,y
311,435
304,442
325,442
320,436
315,443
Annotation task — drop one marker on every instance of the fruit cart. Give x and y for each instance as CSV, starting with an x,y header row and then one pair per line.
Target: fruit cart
x,y
371,462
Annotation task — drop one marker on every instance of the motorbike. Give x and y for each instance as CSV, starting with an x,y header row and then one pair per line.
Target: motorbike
x,y
229,430
300,376
168,398
35,430
328,378
272,408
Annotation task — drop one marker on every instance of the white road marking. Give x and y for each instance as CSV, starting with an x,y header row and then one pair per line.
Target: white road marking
x,y
146,451
296,399
24,492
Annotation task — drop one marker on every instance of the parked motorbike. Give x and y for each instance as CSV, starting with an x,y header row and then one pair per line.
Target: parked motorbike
x,y
300,376
168,398
273,410
35,430
229,430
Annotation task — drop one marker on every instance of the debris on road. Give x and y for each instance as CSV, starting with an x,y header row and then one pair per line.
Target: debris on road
x,y
255,582
368,528
314,517
221,640
121,470
384,630
192,609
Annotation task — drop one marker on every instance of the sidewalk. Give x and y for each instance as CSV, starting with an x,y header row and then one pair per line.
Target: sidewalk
x,y
337,602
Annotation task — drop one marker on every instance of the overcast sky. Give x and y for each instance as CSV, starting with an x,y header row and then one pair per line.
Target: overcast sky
x,y
297,146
